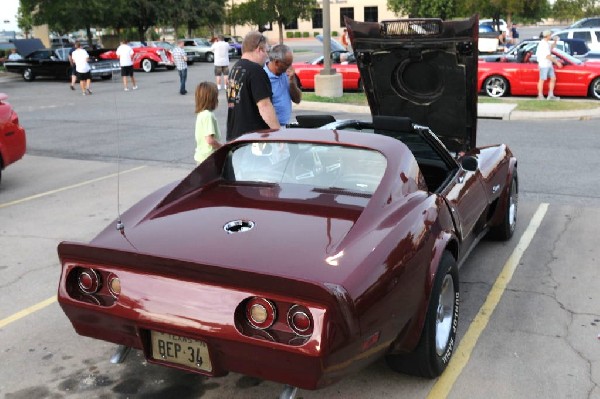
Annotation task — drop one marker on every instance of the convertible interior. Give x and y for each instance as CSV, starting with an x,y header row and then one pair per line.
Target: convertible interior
x,y
362,172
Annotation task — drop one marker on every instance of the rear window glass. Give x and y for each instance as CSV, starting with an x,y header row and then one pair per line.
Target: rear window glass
x,y
321,166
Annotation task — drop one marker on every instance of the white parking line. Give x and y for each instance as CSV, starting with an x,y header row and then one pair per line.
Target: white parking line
x,y
461,357
58,190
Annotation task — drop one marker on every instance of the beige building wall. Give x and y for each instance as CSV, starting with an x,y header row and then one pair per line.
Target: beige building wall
x,y
335,7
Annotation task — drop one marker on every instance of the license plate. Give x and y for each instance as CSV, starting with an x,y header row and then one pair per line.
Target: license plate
x,y
180,350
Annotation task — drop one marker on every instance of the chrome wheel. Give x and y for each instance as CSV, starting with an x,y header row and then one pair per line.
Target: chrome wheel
x,y
28,74
513,201
148,65
496,86
444,317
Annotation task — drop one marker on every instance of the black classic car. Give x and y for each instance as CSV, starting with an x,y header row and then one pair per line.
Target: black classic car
x,y
39,61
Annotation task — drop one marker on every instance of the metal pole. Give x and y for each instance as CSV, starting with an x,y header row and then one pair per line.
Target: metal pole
x,y
327,70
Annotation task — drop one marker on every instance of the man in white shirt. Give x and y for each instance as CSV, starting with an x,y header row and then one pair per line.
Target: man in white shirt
x,y
220,49
125,54
545,61
14,56
80,58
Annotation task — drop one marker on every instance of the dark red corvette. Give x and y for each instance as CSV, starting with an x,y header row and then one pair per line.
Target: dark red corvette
x,y
302,255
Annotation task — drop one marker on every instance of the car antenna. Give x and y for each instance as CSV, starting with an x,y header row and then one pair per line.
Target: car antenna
x,y
120,225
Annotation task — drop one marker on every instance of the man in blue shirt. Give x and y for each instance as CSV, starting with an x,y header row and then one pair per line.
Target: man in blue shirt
x,y
283,83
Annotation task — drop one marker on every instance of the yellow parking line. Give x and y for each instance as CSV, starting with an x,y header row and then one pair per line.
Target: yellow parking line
x,y
58,190
459,360
27,312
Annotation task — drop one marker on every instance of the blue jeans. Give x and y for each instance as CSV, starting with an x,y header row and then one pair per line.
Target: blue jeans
x,y
182,79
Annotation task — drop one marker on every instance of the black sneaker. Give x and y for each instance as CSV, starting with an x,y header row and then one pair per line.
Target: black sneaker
x,y
72,87
88,91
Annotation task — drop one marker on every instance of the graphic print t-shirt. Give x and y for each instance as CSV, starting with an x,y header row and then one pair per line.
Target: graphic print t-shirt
x,y
248,84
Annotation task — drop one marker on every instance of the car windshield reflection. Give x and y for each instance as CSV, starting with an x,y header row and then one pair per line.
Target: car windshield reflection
x,y
330,167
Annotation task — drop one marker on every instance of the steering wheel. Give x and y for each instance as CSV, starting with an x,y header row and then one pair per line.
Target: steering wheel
x,y
315,164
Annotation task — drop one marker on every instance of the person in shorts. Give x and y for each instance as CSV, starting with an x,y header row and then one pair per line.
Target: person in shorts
x,y
81,59
546,61
125,54
220,49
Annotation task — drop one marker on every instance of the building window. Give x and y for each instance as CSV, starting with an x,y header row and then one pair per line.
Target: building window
x,y
317,18
292,25
346,11
371,14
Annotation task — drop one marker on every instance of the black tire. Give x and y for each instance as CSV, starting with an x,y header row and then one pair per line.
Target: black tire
x,y
148,65
28,75
438,338
506,229
595,88
210,57
496,86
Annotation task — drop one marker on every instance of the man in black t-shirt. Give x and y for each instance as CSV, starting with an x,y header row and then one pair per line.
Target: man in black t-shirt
x,y
249,91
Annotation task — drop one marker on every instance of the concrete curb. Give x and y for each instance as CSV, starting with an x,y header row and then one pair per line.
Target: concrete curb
x,y
484,111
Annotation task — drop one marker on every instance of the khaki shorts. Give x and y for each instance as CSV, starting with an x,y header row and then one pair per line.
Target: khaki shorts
x,y
221,70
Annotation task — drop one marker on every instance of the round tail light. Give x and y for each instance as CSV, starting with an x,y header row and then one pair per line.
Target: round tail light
x,y
261,313
114,285
299,320
88,281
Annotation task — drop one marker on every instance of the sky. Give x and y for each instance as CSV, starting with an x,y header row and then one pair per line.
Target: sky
x,y
8,12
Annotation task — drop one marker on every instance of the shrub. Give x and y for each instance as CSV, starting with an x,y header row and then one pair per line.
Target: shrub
x,y
297,34
334,33
289,35
305,34
315,34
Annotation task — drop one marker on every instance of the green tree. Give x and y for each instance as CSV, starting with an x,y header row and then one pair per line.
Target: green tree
x,y
63,16
444,9
281,12
25,20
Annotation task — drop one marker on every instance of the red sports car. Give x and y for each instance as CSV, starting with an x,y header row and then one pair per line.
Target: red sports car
x,y
302,255
145,58
12,135
576,78
344,64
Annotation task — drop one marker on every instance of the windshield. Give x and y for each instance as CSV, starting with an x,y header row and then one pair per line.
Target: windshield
x,y
566,56
330,167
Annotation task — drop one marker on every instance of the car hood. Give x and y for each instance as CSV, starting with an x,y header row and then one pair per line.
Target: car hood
x,y
424,69
28,46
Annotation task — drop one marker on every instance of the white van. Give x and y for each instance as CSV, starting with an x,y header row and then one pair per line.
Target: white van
x,y
591,36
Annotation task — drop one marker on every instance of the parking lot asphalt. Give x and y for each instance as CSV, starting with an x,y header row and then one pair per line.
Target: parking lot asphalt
x,y
504,110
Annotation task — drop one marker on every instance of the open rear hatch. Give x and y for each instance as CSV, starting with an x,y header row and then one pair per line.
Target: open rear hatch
x,y
424,69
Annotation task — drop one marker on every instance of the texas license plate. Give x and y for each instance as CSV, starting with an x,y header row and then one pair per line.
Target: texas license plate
x,y
180,350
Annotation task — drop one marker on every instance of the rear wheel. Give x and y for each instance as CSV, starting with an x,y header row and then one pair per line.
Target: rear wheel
x,y
148,65
28,75
438,338
506,229
210,57
595,88
496,86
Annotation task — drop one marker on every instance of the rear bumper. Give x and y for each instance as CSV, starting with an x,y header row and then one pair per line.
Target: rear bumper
x,y
214,315
226,355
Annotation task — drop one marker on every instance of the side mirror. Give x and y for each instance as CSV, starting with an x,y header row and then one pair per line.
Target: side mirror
x,y
469,163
